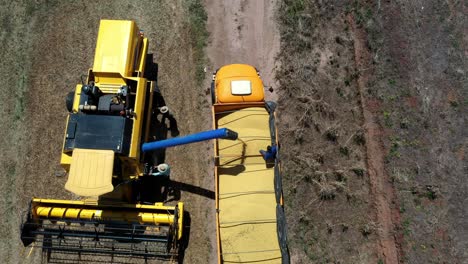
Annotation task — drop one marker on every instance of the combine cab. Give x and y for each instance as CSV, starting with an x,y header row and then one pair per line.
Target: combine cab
x,y
250,219
111,114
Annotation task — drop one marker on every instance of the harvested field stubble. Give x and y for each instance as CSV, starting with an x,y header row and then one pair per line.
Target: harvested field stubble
x,y
418,85
328,204
46,47
376,89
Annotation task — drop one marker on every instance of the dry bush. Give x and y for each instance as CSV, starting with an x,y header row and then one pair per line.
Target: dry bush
x,y
328,189
368,229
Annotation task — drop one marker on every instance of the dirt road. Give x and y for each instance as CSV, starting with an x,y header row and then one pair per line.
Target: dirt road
x,y
243,31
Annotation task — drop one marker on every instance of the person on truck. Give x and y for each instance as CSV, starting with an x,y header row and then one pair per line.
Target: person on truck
x,y
270,154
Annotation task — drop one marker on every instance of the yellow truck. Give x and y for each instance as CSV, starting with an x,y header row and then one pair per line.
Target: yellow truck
x,y
250,221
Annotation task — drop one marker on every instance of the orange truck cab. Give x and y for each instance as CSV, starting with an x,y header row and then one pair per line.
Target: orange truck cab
x,y
237,83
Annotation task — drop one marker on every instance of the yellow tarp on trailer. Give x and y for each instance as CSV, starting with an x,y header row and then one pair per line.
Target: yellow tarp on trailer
x,y
246,196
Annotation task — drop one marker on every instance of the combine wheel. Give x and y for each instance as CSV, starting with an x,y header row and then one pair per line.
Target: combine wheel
x,y
212,88
213,94
69,101
151,69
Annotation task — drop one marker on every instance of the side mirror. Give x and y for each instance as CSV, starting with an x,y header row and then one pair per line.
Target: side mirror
x,y
269,88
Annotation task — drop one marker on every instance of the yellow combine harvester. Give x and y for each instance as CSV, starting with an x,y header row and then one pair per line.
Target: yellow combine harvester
x,y
251,226
111,114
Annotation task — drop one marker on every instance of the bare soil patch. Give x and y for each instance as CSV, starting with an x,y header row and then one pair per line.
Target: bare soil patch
x,y
404,63
419,77
329,203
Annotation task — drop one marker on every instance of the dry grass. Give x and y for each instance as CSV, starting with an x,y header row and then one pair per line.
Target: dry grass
x,y
414,88
320,115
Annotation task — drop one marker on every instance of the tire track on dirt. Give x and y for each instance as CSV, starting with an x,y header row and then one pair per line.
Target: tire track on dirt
x,y
244,32
387,214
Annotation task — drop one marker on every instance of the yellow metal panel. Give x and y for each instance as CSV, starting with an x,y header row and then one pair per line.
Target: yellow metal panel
x,y
76,100
131,213
238,72
246,198
115,46
156,218
90,214
180,221
142,59
138,118
109,80
66,158
91,172
86,203
73,212
65,161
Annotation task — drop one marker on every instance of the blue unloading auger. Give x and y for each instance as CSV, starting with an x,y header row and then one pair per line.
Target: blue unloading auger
x,y
222,133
